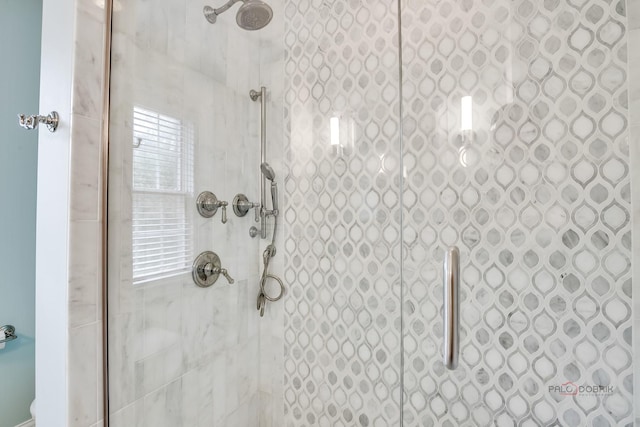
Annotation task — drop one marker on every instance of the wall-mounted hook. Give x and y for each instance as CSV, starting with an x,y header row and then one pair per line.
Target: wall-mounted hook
x,y
31,122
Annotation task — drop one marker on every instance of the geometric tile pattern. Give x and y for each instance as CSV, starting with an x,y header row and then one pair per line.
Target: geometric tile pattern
x,y
342,215
538,200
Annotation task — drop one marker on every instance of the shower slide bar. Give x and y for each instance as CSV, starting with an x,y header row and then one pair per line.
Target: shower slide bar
x,y
451,310
267,171
241,206
262,96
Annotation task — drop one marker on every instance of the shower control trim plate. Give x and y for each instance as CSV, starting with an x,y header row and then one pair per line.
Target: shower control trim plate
x,y
208,205
207,268
242,205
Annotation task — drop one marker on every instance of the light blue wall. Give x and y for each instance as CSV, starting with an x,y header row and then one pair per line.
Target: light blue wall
x,y
20,30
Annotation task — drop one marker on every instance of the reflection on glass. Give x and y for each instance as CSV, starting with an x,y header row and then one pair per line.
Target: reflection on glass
x,y
466,114
342,134
466,130
334,123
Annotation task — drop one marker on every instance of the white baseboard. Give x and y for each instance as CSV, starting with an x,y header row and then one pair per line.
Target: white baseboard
x,y
29,423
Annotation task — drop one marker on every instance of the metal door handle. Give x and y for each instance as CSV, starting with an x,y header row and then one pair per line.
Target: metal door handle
x,y
451,311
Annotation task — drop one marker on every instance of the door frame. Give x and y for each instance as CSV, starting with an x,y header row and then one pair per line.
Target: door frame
x,y
62,363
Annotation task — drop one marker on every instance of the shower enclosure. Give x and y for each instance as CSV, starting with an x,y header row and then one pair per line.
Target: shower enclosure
x,y
396,131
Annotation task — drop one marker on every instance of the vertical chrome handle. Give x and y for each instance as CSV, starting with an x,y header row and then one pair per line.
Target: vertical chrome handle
x,y
224,211
451,311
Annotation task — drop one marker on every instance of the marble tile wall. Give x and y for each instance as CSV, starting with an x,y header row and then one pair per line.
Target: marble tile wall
x,y
179,354
84,292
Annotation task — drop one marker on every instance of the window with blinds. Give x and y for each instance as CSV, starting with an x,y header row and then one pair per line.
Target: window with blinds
x,y
162,189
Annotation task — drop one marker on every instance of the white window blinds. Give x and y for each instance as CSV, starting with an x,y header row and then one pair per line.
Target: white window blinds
x,y
162,188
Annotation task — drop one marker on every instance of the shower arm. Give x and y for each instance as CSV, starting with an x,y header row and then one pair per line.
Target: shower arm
x,y
224,8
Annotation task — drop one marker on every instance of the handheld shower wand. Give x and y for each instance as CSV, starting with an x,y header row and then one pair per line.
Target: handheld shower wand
x,y
268,173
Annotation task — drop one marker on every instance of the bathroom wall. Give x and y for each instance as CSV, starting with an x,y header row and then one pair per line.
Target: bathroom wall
x,y
342,335
20,28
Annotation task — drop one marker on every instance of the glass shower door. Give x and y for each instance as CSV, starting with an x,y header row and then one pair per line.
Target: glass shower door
x,y
516,151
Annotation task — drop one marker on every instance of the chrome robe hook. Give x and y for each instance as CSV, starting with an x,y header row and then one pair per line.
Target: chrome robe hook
x,y
31,122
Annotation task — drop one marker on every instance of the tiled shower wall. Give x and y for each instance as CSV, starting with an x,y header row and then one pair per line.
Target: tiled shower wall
x,y
342,213
537,197
181,355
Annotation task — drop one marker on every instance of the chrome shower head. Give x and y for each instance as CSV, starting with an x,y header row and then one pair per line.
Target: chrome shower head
x,y
254,15
268,172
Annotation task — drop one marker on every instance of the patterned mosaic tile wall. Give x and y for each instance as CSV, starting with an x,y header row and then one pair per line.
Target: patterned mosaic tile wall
x,y
342,261
537,199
